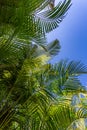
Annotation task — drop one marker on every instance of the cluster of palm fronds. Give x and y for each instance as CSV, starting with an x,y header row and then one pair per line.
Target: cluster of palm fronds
x,y
35,95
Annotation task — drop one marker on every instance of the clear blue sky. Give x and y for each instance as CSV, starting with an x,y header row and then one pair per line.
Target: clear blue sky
x,y
72,34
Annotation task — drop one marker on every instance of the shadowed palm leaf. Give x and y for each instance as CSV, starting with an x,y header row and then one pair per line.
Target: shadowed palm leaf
x,y
25,18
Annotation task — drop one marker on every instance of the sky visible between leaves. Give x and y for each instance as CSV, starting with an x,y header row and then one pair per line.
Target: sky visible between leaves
x,y
72,34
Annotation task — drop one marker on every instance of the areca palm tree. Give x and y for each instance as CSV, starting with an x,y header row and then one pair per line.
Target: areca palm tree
x,y
61,80
28,100
23,28
67,84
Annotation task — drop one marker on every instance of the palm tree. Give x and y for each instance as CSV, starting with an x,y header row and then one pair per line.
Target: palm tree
x,y
23,28
32,91
61,81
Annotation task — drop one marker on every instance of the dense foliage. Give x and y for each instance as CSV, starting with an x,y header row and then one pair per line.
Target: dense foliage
x,y
36,95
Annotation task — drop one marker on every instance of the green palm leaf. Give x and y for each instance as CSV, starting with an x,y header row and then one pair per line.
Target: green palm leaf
x,y
49,20
63,76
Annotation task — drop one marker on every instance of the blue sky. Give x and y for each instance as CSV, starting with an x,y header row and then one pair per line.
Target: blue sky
x,y
72,34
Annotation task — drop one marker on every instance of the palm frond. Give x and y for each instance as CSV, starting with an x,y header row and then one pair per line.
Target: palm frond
x,y
53,48
79,123
73,84
63,76
27,19
49,20
14,14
